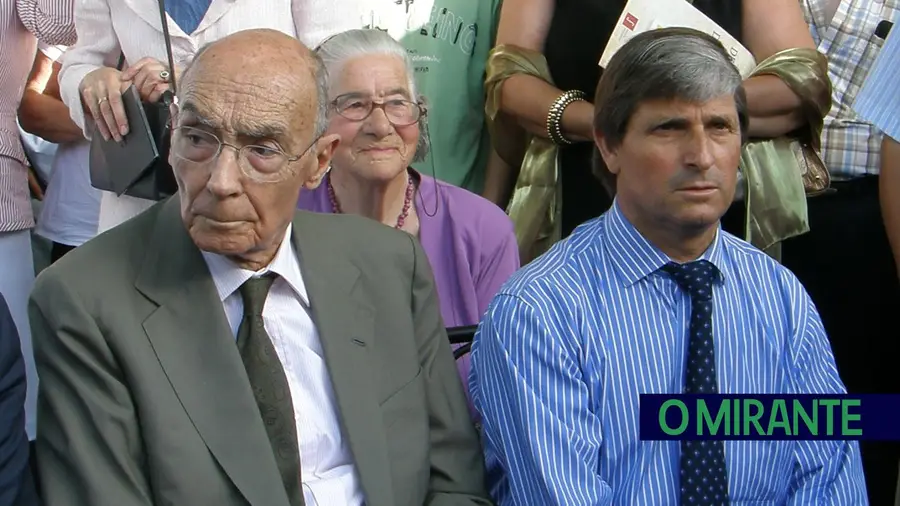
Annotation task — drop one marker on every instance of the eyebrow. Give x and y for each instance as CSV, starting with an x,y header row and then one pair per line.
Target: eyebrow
x,y
196,116
394,91
682,123
250,130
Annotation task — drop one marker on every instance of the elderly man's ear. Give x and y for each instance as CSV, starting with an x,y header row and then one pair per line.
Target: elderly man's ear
x,y
325,147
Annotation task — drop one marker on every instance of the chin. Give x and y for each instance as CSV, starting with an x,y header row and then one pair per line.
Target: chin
x,y
233,239
383,170
702,217
226,246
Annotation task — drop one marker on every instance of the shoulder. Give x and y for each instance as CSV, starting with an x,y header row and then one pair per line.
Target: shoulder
x,y
109,259
746,256
474,214
557,282
760,274
364,240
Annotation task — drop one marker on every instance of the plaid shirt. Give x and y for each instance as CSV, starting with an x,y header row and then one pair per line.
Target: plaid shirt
x,y
878,100
850,146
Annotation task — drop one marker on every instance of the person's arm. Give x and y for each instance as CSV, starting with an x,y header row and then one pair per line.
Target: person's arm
x,y
825,472
49,20
16,486
889,193
499,258
41,111
499,179
527,99
457,468
538,429
770,26
89,444
97,47
879,104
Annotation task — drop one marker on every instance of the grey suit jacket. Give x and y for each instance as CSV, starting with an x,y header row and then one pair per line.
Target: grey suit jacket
x,y
144,399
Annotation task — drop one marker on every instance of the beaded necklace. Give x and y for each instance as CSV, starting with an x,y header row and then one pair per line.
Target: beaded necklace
x,y
404,212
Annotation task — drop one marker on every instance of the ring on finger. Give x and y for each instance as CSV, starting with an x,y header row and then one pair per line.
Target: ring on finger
x,y
164,75
102,99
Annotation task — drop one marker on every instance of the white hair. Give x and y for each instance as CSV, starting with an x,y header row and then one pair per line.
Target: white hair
x,y
340,48
336,50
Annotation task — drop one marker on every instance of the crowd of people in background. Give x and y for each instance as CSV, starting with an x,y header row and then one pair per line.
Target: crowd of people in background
x,y
358,181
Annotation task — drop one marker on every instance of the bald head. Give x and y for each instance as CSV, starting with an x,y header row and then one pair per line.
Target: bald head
x,y
264,62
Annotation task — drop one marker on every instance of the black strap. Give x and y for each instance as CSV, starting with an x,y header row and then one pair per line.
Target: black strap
x,y
165,28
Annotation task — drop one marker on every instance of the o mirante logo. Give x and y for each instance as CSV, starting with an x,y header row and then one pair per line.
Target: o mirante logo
x,y
769,417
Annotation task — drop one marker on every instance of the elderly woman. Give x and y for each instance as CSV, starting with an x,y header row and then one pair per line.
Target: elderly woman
x,y
374,107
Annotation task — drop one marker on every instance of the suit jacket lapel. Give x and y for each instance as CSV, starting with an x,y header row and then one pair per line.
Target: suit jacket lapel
x,y
196,349
344,321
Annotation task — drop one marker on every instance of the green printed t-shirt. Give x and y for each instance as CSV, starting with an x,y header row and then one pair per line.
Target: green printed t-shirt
x,y
449,42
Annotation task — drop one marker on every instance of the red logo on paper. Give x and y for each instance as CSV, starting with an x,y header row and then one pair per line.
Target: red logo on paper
x,y
630,21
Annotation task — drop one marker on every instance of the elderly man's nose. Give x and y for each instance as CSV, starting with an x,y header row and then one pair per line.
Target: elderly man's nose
x,y
225,174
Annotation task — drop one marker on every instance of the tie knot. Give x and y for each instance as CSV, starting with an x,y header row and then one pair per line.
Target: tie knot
x,y
696,278
254,292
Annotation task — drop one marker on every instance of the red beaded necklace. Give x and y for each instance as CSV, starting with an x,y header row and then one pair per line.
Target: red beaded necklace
x,y
404,212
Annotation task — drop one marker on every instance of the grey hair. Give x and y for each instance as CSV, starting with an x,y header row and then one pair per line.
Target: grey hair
x,y
321,76
336,50
667,63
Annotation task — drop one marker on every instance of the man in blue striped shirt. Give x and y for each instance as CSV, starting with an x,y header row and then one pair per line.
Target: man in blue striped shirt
x,y
653,297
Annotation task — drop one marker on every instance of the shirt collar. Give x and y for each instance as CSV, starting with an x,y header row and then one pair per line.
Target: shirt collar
x,y
635,257
228,277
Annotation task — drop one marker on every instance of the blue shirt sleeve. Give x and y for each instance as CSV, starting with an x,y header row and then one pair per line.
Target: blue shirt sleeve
x,y
878,102
542,441
825,472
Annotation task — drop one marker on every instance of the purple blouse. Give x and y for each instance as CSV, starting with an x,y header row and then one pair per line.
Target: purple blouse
x,y
469,242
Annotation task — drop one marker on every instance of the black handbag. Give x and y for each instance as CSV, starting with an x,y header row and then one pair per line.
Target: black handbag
x,y
146,177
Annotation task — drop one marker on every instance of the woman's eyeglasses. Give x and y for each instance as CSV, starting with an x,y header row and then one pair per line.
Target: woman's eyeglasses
x,y
400,112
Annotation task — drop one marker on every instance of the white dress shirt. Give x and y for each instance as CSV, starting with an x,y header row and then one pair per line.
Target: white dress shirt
x,y
328,471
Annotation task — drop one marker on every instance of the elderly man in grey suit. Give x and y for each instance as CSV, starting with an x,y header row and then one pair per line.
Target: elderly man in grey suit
x,y
223,349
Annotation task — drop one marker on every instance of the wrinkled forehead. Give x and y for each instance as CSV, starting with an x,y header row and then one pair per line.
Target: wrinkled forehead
x,y
248,107
373,76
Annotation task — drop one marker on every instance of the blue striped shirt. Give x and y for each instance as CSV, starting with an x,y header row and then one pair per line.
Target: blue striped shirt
x,y
878,102
574,338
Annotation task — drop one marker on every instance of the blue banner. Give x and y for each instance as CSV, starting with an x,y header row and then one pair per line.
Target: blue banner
x,y
873,417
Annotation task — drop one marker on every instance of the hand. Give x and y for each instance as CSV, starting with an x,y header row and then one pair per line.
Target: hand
x,y
150,76
101,94
35,186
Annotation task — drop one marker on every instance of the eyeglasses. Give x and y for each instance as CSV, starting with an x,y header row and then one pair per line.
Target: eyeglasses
x,y
399,112
259,163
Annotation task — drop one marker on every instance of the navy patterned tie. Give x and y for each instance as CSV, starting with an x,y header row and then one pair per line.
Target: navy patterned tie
x,y
704,478
270,385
